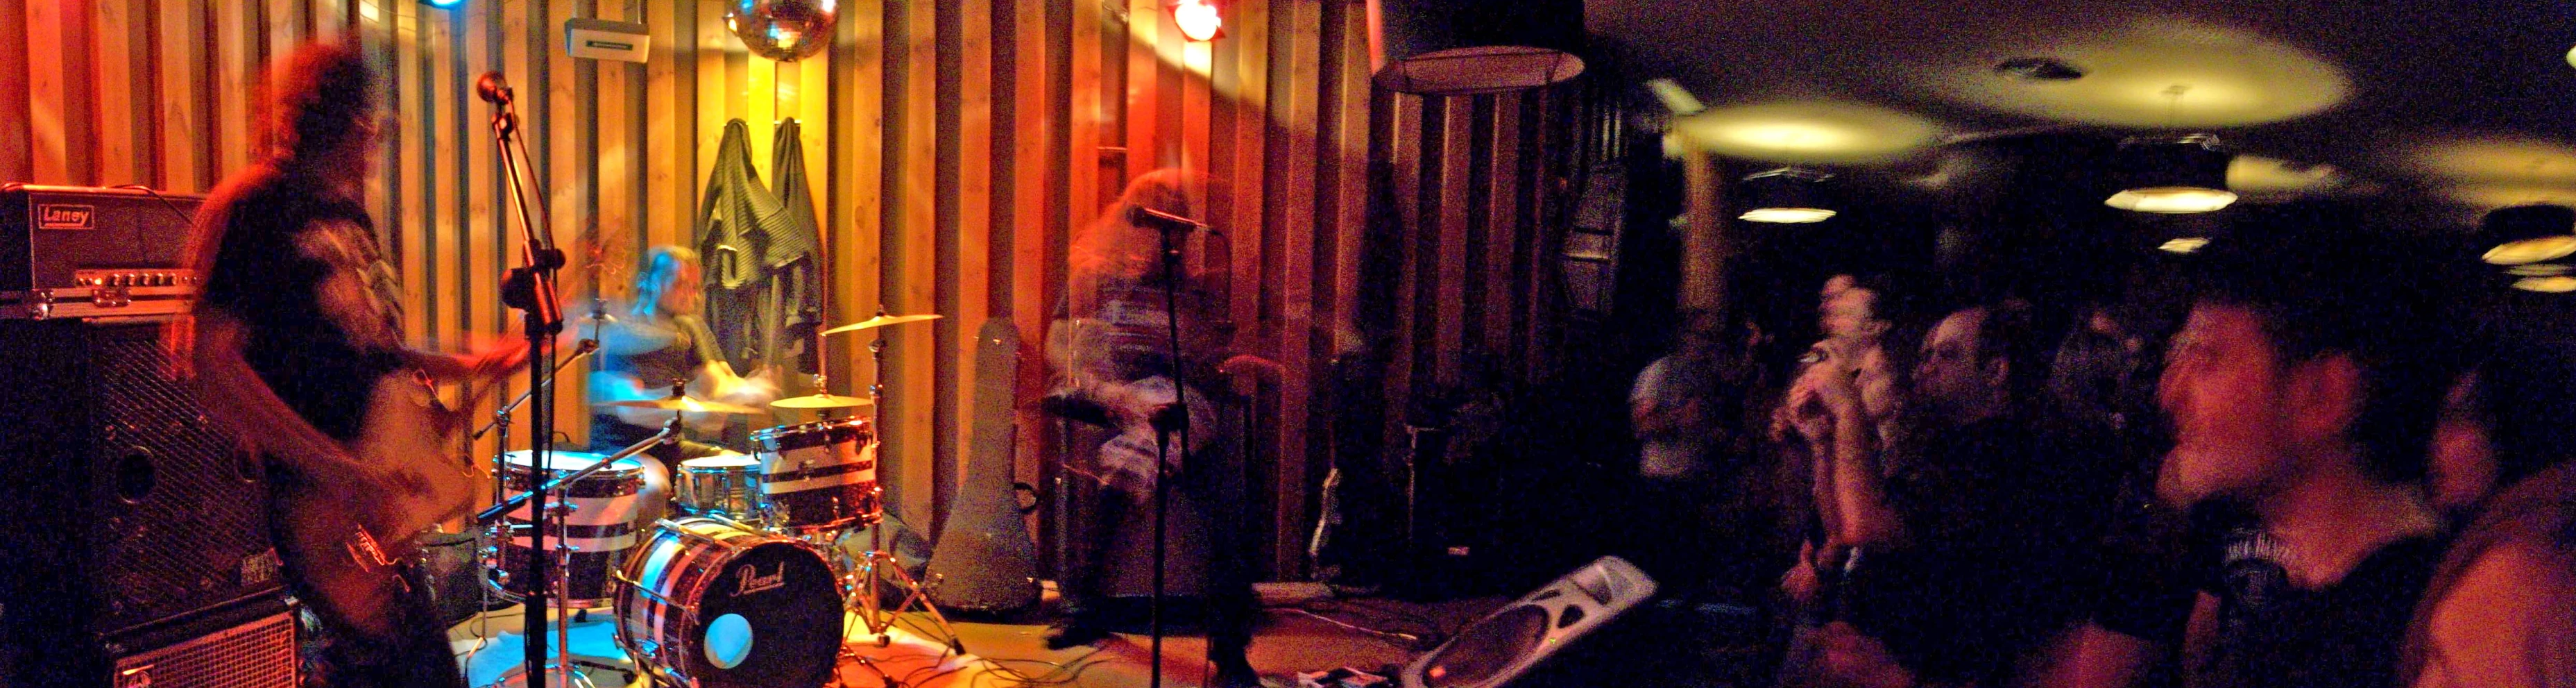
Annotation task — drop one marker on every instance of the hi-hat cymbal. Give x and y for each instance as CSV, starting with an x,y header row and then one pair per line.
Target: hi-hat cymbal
x,y
685,404
882,320
821,401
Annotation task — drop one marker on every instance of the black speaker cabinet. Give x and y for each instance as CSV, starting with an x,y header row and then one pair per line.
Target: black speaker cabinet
x,y
1513,645
128,512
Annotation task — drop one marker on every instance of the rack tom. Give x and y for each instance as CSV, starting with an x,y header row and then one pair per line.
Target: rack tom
x,y
600,530
819,476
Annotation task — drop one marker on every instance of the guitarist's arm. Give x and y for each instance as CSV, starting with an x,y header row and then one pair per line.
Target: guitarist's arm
x,y
243,404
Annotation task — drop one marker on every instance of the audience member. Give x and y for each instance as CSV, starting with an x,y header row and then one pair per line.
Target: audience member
x,y
1975,551
2501,609
2304,386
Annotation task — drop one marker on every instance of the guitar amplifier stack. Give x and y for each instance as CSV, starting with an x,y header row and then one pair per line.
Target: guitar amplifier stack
x,y
136,551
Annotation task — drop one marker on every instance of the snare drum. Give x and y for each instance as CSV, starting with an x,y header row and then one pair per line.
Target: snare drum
x,y
709,605
819,476
725,485
600,530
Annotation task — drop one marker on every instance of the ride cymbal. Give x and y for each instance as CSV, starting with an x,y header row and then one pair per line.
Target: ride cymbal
x,y
821,401
685,404
883,320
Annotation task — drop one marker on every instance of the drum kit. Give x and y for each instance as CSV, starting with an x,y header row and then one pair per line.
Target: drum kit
x,y
745,582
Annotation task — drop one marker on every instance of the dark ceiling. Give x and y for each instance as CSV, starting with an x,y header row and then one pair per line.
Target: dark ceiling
x,y
2457,106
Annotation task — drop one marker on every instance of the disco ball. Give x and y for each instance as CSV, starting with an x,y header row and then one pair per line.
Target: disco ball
x,y
783,30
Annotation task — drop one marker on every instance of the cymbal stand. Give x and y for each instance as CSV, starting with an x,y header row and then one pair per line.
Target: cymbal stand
x,y
860,583
555,509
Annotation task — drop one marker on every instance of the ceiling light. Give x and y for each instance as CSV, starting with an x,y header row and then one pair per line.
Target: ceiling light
x,y
2039,69
2184,245
1197,20
2560,284
2528,234
1458,47
2539,270
2571,57
1787,196
2186,174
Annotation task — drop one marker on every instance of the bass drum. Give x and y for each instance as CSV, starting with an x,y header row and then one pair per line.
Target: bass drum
x,y
708,605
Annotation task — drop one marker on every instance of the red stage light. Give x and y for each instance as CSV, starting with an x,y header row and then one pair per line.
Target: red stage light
x,y
1198,20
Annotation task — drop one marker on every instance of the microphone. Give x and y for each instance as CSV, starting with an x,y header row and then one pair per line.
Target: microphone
x,y
492,88
1142,216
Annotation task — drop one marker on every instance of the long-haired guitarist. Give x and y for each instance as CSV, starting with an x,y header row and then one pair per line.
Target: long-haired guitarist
x,y
297,348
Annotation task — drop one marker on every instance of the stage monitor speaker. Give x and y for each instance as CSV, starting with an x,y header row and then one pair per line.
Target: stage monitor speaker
x,y
1508,647
130,511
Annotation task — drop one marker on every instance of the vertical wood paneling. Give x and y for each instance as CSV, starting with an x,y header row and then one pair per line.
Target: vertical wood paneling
x,y
58,90
179,73
17,145
955,146
856,208
908,275
123,99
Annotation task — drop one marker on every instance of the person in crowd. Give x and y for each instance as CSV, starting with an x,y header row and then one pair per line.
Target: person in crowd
x,y
1812,439
2304,387
1973,553
1684,410
2500,610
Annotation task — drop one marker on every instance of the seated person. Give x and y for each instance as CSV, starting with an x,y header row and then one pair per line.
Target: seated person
x,y
647,347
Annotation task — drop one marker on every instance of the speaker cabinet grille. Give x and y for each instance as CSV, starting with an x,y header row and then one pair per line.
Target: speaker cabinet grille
x,y
258,654
131,508
172,517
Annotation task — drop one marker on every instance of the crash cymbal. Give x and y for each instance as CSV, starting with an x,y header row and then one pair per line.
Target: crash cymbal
x,y
821,401
882,320
685,404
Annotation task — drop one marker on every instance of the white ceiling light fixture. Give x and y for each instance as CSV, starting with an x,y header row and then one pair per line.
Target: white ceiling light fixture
x,y
2526,234
2186,174
1787,195
2560,284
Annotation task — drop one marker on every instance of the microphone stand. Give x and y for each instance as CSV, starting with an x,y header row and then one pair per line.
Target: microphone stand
x,y
1172,275
531,289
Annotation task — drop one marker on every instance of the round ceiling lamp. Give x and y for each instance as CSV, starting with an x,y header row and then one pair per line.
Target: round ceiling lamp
x,y
1458,47
2525,234
2559,284
2185,174
1787,195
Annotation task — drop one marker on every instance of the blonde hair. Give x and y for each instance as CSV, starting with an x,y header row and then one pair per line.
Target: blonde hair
x,y
661,265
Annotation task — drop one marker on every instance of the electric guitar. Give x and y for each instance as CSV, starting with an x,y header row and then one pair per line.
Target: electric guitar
x,y
347,527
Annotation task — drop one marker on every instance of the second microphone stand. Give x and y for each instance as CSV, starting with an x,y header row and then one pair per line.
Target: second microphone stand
x,y
531,289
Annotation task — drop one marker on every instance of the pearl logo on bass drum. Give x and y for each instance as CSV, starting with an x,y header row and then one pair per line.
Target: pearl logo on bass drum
x,y
751,581
66,216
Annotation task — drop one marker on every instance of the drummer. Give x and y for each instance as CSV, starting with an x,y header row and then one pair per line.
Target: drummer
x,y
657,340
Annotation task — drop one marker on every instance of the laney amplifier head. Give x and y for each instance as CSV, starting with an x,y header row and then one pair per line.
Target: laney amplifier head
x,y
88,252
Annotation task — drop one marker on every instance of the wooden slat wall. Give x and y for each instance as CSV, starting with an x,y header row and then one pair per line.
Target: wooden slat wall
x,y
953,145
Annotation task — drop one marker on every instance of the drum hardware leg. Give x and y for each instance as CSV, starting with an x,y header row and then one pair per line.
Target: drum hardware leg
x,y
646,591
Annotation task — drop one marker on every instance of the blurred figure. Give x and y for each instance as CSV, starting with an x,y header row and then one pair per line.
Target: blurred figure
x,y
1115,370
659,340
655,342
1974,553
2304,385
1685,409
2501,609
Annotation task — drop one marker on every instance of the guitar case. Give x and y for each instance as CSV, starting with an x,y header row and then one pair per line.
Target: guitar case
x,y
985,559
